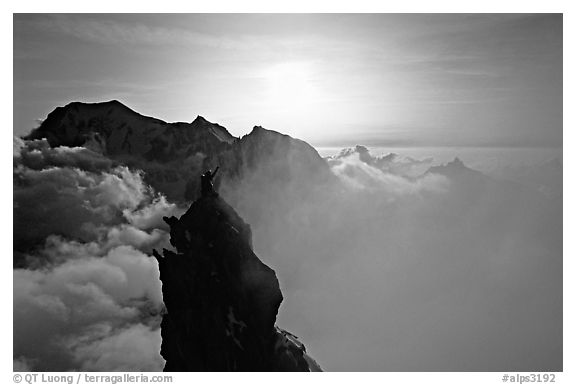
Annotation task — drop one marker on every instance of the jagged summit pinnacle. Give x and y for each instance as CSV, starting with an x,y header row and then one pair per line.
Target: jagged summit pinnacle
x,y
221,300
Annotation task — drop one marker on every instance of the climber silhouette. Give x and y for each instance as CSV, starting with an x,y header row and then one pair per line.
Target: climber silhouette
x,y
207,188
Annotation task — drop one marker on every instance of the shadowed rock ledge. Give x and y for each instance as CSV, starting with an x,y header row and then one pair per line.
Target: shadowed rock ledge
x,y
221,300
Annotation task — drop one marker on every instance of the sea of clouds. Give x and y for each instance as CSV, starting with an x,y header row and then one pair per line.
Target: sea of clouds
x,y
393,269
448,271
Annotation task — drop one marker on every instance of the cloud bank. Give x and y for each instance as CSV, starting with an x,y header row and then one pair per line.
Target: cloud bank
x,y
361,175
87,295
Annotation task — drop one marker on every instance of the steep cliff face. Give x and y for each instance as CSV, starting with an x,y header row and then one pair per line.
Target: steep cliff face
x,y
221,300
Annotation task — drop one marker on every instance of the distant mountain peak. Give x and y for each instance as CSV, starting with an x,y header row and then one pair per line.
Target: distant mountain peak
x,y
200,119
361,149
456,169
457,162
365,156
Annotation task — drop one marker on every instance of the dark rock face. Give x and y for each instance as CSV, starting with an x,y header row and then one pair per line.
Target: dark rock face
x,y
221,300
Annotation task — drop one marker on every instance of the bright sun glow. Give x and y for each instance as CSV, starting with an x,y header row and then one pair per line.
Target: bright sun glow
x,y
291,87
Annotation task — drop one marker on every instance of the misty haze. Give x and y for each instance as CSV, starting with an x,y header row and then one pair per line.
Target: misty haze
x,y
277,192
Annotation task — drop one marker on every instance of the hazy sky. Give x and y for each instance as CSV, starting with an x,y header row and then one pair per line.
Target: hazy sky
x,y
373,79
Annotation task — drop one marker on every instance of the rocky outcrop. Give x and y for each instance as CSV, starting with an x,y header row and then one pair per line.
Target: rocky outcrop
x,y
221,299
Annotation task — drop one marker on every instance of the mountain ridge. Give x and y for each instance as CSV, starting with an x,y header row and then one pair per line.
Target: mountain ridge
x,y
172,155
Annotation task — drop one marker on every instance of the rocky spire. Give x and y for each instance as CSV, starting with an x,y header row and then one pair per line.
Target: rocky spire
x,y
221,300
